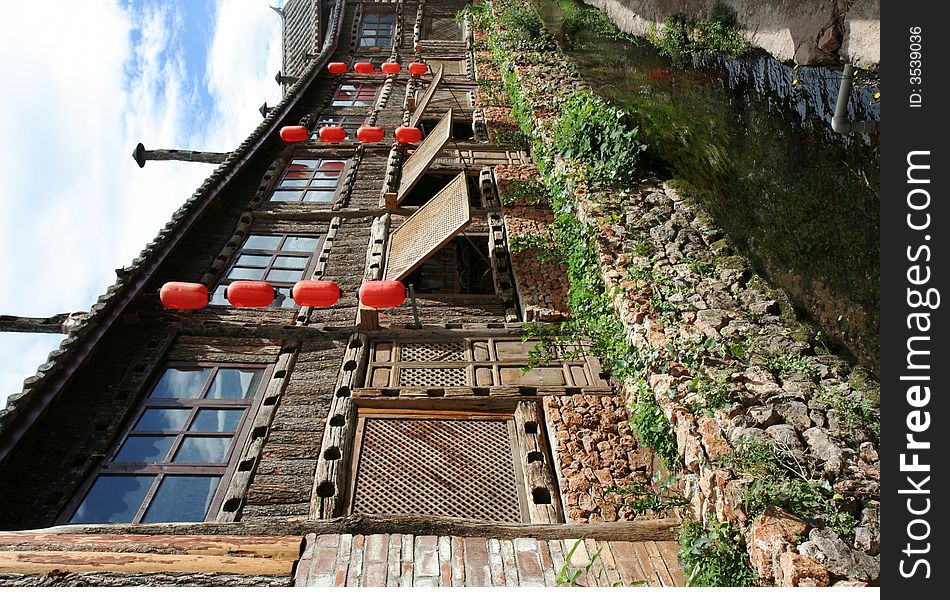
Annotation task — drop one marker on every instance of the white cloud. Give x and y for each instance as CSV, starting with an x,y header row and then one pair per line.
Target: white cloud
x,y
74,205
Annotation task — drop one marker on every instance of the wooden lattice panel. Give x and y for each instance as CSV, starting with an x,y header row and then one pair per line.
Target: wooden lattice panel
x,y
444,467
416,165
432,378
435,352
428,229
426,97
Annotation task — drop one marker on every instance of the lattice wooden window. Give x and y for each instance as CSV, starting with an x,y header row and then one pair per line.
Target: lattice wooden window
x,y
355,94
279,259
376,29
415,167
451,467
450,66
310,180
349,123
452,97
429,229
426,97
476,363
441,28
181,445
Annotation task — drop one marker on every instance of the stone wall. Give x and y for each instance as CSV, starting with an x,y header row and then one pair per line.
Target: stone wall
x,y
595,451
810,33
733,370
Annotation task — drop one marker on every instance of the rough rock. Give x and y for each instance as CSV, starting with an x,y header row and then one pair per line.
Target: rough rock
x,y
842,562
801,571
795,414
824,447
773,533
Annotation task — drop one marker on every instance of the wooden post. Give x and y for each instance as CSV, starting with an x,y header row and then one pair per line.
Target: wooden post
x,y
141,155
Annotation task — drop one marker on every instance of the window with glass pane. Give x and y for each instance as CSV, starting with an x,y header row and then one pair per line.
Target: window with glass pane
x,y
376,29
279,259
309,180
349,123
181,444
355,94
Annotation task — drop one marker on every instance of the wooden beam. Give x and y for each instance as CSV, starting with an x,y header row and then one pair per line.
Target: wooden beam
x,y
632,531
16,324
276,547
32,563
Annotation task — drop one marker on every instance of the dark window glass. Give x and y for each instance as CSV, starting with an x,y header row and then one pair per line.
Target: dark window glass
x,y
181,499
310,180
181,383
113,499
203,450
217,420
163,419
145,448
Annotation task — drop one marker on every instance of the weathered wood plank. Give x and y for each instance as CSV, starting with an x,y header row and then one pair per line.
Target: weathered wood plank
x,y
29,563
668,552
659,564
631,531
278,547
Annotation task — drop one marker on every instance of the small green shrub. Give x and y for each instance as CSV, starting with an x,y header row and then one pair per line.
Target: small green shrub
x,y
714,557
659,498
681,37
522,27
855,414
652,427
791,363
601,137
809,500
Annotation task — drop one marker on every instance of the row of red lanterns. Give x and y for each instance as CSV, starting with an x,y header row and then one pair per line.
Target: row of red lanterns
x,y
256,294
389,68
366,133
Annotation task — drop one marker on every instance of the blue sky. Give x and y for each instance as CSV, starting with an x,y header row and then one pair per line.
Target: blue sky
x,y
75,206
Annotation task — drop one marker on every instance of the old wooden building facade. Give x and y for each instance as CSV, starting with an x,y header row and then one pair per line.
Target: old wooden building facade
x,y
342,445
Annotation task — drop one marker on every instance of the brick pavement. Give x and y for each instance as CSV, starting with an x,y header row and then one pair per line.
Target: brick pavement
x,y
391,560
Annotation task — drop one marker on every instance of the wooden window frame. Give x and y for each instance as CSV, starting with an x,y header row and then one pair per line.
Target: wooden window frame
x,y
360,86
314,181
159,470
349,123
217,293
374,17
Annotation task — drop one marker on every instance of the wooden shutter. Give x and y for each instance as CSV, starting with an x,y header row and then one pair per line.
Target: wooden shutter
x,y
414,168
429,229
441,28
426,98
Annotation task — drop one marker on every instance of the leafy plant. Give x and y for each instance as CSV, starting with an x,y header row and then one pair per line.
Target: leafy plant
x,y
521,27
599,136
652,427
658,498
714,556
568,577
791,363
680,37
855,414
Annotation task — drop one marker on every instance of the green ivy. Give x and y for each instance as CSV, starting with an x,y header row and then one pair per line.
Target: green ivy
x,y
714,556
652,426
600,137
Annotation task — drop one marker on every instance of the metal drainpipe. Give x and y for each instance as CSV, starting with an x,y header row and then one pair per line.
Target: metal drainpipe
x,y
840,122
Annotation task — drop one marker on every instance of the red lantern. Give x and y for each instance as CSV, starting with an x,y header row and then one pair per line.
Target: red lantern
x,y
369,134
408,135
417,69
382,294
332,134
294,133
250,294
391,68
177,294
316,293
336,68
363,68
